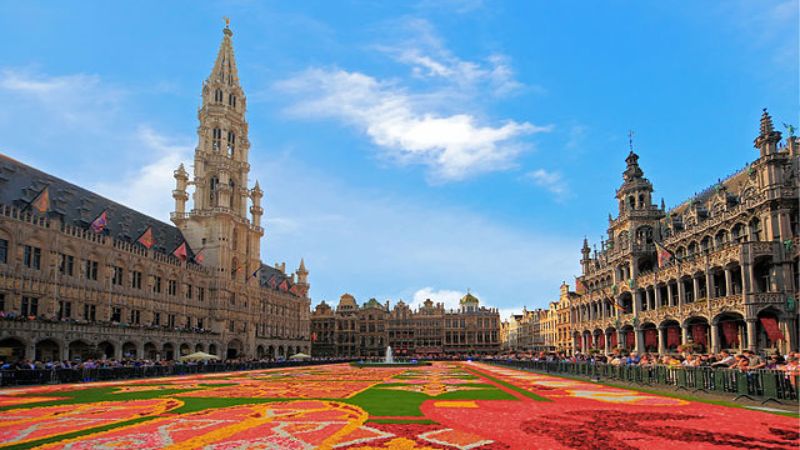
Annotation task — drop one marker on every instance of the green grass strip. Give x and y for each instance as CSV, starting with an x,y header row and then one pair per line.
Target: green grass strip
x,y
514,388
104,394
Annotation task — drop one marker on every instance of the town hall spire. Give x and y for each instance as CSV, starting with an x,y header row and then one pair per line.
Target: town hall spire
x,y
218,221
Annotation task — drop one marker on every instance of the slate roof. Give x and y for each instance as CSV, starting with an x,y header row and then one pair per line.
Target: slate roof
x,y
267,272
74,205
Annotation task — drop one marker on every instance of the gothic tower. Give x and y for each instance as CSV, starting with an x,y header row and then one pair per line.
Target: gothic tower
x,y
218,224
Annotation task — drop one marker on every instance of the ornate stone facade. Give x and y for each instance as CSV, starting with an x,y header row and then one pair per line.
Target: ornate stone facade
x,y
366,330
718,271
67,291
541,329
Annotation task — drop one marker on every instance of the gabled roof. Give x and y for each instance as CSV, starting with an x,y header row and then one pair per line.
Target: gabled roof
x,y
73,205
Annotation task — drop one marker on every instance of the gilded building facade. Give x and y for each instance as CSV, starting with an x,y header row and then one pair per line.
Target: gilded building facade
x,y
366,330
82,276
719,271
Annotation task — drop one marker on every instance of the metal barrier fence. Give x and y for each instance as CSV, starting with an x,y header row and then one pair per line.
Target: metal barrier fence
x,y
763,385
25,377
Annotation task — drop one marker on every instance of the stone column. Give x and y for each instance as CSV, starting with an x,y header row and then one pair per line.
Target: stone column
x,y
791,334
681,293
695,288
670,301
607,341
714,337
657,293
709,285
684,333
728,282
639,338
637,302
648,298
30,350
751,334
662,345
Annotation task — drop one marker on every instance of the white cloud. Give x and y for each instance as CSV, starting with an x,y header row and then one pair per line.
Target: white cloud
x,y
76,100
429,57
551,181
453,146
147,188
449,298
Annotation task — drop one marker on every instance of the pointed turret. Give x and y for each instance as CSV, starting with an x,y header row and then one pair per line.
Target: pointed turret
x,y
767,140
586,252
225,66
302,277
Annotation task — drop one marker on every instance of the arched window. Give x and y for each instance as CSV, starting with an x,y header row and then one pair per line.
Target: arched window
x,y
644,234
737,233
721,239
232,100
218,96
705,244
631,202
756,233
641,201
216,138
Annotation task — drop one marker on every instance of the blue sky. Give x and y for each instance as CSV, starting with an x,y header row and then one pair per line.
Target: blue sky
x,y
407,149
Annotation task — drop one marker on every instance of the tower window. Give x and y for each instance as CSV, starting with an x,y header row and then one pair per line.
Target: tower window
x,y
232,100
212,194
231,143
218,96
217,137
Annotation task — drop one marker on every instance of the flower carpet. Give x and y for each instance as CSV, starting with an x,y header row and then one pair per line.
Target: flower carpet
x,y
442,406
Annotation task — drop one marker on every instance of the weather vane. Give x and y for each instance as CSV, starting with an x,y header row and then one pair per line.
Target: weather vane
x,y
630,139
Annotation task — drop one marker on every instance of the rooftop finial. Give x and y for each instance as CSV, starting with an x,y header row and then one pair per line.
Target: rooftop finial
x,y
630,139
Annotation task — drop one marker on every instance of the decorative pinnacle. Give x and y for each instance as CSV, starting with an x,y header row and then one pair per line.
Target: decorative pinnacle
x,y
766,123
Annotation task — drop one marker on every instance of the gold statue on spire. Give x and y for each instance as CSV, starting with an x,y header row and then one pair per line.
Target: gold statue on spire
x,y
227,21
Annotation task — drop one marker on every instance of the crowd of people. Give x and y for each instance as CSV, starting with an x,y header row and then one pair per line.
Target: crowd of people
x,y
744,361
103,363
